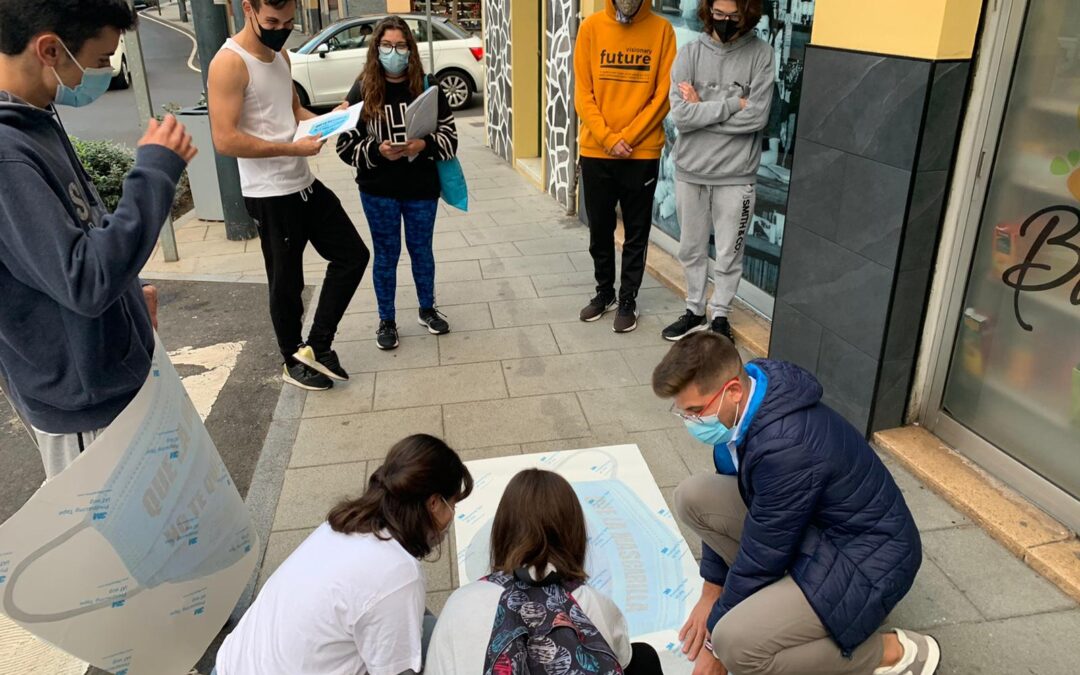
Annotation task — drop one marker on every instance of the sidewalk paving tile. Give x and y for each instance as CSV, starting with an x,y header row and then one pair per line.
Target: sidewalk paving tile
x,y
346,398
517,420
563,243
643,360
462,318
613,406
527,265
662,457
532,312
567,373
490,453
493,345
437,385
577,336
996,582
931,511
309,493
502,234
932,601
363,356
352,438
485,252
1043,644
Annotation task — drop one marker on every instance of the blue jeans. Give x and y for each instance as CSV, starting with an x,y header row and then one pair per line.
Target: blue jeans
x,y
384,216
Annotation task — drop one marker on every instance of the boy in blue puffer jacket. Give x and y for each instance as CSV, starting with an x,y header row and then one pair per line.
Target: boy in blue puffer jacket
x,y
807,543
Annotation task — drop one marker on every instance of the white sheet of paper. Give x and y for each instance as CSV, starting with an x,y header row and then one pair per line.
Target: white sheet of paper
x,y
133,558
331,124
422,115
637,555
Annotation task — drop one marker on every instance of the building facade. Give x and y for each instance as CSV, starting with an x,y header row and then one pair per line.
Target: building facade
x,y
917,237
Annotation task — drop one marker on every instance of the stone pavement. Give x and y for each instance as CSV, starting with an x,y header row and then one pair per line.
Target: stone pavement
x,y
521,374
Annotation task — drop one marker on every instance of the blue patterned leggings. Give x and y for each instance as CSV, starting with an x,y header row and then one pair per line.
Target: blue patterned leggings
x,y
384,216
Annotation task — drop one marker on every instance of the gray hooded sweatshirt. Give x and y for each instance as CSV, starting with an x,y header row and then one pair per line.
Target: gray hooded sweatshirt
x,y
718,143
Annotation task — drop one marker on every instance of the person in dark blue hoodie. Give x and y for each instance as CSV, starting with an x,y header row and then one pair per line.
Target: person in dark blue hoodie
x,y
76,337
807,542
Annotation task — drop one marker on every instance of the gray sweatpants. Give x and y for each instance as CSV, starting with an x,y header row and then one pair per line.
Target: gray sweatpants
x,y
724,211
774,631
59,450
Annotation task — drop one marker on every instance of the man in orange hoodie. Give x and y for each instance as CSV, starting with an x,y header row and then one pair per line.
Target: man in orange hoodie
x,y
622,66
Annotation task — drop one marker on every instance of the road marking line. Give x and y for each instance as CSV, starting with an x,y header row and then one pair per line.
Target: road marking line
x,y
194,44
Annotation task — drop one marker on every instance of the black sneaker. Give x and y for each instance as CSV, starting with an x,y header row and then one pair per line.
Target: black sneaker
x,y
326,362
597,307
300,375
720,325
688,323
386,337
434,321
626,316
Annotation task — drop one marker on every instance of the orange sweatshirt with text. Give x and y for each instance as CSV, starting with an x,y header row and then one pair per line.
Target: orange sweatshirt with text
x,y
622,75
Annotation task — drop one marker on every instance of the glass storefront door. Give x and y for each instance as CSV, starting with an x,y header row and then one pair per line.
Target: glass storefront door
x,y
1014,377
785,25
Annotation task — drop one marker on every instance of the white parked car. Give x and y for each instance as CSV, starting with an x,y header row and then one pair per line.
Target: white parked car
x,y
327,65
121,75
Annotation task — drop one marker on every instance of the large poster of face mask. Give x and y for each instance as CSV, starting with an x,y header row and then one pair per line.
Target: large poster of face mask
x,y
785,25
133,557
637,556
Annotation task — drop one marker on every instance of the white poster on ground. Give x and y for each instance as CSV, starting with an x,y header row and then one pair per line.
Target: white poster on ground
x,y
637,555
133,558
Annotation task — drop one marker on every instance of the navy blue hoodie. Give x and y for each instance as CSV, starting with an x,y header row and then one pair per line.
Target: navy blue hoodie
x,y
75,334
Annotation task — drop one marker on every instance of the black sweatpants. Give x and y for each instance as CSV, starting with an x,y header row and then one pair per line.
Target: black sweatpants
x,y
286,225
630,184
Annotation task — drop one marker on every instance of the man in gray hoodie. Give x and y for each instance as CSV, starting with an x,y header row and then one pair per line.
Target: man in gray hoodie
x,y
722,87
75,334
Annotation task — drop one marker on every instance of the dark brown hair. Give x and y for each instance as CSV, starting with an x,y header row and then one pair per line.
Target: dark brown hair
x,y
706,359
416,468
539,521
373,76
276,4
749,15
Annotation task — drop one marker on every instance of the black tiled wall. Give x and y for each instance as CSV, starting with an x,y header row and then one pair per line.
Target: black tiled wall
x,y
874,146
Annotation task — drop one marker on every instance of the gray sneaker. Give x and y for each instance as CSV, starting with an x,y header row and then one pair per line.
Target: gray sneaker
x,y
927,653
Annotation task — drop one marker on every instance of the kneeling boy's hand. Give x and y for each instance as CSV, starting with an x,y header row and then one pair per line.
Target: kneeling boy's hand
x,y
709,665
696,628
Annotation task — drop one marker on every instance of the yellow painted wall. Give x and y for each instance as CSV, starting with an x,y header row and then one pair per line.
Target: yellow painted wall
x,y
398,6
927,29
525,35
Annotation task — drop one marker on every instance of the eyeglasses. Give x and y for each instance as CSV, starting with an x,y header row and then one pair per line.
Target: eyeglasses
x,y
724,16
696,417
389,47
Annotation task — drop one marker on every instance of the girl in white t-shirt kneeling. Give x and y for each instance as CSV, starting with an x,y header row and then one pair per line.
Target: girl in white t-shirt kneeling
x,y
534,609
350,599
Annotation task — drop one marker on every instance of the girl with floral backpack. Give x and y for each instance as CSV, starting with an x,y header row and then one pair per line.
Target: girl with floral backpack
x,y
534,614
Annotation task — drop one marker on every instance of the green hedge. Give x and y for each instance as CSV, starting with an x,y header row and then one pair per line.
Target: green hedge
x,y
108,164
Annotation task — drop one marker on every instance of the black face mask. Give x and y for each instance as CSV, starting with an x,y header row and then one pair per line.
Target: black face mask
x,y
727,30
273,38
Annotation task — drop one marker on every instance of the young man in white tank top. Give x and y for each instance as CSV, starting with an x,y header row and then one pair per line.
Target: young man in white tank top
x,y
254,112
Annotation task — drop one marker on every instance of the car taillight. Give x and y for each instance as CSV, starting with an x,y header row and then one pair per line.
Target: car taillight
x,y
477,52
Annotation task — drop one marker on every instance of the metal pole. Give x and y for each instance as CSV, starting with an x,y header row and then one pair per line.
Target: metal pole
x,y
145,106
211,31
430,34
182,4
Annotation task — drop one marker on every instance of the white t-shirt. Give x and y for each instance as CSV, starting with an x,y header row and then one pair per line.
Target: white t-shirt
x,y
460,641
341,604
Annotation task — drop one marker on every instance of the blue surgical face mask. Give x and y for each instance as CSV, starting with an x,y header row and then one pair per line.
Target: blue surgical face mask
x,y
710,430
94,83
393,63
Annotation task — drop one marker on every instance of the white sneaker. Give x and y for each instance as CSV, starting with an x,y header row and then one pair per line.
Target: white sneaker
x,y
922,654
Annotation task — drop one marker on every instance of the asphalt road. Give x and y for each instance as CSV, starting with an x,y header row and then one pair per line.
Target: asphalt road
x,y
198,315
166,51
